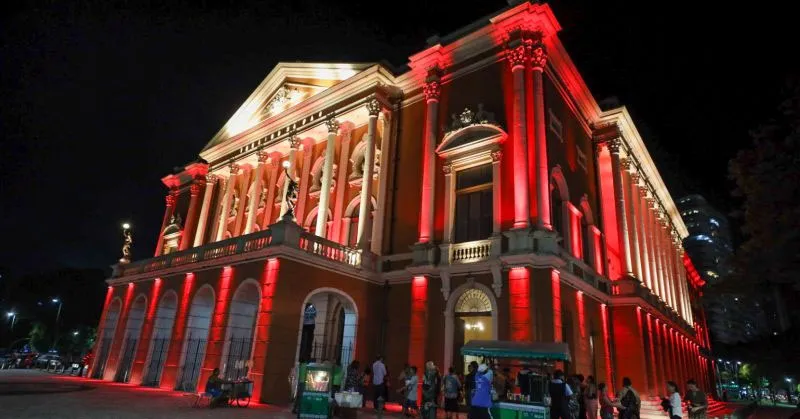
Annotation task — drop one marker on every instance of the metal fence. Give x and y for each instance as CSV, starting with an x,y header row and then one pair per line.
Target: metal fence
x,y
102,357
158,357
193,354
237,360
124,370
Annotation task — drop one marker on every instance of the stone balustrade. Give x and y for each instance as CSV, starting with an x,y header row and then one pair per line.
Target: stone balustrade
x,y
283,233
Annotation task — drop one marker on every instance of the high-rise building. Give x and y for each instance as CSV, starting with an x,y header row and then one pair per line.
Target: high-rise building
x,y
709,242
350,210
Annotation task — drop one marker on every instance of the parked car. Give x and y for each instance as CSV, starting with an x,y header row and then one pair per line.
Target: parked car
x,y
47,360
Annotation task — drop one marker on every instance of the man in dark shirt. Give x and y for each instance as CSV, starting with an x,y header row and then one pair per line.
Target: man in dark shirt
x,y
560,392
697,400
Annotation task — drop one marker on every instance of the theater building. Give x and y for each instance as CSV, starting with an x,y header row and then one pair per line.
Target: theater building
x,y
479,192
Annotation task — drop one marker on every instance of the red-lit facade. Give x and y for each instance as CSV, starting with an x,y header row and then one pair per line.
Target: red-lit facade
x,y
481,193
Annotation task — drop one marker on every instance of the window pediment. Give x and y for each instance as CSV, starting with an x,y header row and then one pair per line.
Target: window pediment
x,y
470,132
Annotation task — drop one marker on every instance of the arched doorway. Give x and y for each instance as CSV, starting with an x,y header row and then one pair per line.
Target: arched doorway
x,y
471,314
239,335
133,330
328,325
196,337
106,337
162,332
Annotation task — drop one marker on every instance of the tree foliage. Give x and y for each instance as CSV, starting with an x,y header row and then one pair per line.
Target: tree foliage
x,y
767,177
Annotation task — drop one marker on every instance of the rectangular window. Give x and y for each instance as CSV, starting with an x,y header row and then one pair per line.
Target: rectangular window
x,y
473,215
555,126
581,158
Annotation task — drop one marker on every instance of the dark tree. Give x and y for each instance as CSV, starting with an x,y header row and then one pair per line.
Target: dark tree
x,y
767,177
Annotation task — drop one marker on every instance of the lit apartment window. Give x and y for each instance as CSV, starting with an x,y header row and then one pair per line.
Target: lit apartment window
x,y
473,219
555,126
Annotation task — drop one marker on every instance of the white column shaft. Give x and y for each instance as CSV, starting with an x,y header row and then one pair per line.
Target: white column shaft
x,y
325,192
226,207
204,210
364,213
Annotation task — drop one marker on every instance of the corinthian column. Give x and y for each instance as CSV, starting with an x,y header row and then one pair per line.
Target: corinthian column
x,y
172,196
364,214
641,220
622,216
226,202
294,143
327,174
257,187
432,91
191,214
518,53
203,219
630,201
538,59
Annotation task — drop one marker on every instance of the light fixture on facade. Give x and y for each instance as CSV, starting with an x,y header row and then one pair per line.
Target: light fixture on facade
x,y
474,326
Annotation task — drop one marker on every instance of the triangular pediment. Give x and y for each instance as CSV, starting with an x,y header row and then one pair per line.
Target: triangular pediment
x,y
287,85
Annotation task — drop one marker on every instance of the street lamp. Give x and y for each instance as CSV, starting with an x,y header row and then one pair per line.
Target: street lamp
x,y
75,333
13,316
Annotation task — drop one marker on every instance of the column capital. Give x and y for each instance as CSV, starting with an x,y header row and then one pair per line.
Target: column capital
x,y
171,197
625,164
497,155
234,168
194,190
262,156
332,124
432,90
538,57
447,169
518,54
613,145
294,142
373,107
635,176
211,179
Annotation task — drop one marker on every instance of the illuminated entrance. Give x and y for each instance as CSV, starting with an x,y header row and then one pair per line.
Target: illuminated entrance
x,y
328,327
471,315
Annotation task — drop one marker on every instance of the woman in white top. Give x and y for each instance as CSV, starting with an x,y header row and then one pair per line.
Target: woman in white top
x,y
675,406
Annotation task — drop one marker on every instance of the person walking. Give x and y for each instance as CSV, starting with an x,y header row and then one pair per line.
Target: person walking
x,y
410,389
590,398
378,382
482,397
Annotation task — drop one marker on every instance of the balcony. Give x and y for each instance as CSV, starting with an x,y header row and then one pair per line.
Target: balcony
x,y
473,251
279,236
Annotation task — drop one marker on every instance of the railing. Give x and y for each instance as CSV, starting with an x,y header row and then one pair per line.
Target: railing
x,y
319,246
474,251
284,233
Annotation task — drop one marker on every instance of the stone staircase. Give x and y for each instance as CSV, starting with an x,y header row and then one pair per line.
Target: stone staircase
x,y
651,409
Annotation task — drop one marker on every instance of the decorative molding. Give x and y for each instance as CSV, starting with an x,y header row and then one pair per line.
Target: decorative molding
x,y
373,107
469,118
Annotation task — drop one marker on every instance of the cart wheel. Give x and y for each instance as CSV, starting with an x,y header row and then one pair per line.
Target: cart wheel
x,y
243,401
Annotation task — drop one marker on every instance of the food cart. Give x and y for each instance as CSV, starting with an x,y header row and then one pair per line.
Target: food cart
x,y
539,357
315,403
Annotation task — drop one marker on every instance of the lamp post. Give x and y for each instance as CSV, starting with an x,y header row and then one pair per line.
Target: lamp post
x,y
58,317
789,395
738,388
13,316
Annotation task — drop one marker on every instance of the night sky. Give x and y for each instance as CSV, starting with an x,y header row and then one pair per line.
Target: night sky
x,y
99,102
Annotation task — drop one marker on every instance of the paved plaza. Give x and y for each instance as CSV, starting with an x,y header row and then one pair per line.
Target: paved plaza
x,y
36,394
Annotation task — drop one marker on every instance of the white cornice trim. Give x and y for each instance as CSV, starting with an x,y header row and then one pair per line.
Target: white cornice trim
x,y
631,137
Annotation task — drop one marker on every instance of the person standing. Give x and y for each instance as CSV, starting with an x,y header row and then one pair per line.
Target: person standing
x,y
629,401
411,384
451,388
431,386
606,404
698,403
469,382
378,382
560,393
675,405
590,398
482,397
